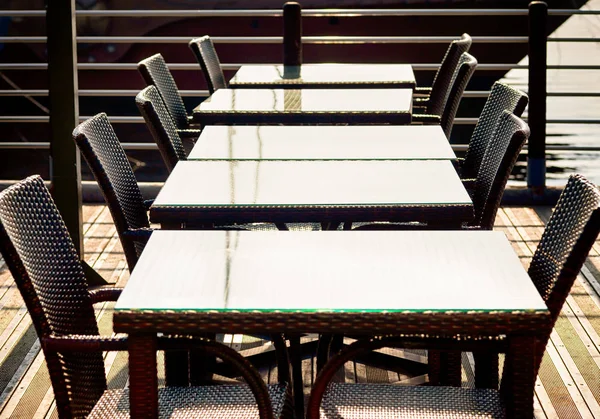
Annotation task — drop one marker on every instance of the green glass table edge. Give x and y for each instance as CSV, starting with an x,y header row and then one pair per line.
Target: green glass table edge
x,y
193,158
319,311
300,205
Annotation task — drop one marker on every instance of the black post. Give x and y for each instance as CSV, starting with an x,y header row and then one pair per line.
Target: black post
x,y
536,156
65,161
292,40
64,115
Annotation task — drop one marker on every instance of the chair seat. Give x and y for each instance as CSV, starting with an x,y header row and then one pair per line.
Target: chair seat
x,y
353,401
208,402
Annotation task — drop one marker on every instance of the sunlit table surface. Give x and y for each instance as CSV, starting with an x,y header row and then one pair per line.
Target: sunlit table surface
x,y
217,191
306,106
321,142
326,75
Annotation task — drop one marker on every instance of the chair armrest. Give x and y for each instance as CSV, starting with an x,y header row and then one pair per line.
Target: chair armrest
x,y
85,343
100,295
148,203
189,133
424,91
426,119
469,184
420,101
138,234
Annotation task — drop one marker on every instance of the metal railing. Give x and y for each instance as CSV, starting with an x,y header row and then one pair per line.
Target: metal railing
x,y
278,40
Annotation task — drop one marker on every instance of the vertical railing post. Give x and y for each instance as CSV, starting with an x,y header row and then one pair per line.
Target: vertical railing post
x,y
292,39
536,155
64,115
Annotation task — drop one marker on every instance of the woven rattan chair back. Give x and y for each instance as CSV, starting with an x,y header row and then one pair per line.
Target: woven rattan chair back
x,y
463,73
38,250
502,98
207,57
161,126
442,81
155,72
567,239
106,158
499,159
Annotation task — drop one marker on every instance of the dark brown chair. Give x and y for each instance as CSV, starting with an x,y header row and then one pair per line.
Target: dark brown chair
x,y
155,72
564,246
444,110
207,57
106,158
38,250
435,95
500,156
502,98
161,126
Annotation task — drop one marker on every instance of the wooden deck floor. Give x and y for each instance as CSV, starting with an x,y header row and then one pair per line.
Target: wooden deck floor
x,y
568,385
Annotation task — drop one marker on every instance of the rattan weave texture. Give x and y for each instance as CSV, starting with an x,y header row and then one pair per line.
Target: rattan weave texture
x,y
458,83
502,98
442,81
161,125
354,401
578,201
496,166
207,57
155,72
103,152
41,256
209,402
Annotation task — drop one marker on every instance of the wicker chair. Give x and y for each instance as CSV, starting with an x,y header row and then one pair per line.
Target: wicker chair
x,y
161,126
41,257
444,110
155,72
564,246
502,98
104,155
204,50
435,95
497,163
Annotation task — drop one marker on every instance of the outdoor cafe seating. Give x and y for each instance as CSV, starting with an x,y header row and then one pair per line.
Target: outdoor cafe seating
x,y
305,206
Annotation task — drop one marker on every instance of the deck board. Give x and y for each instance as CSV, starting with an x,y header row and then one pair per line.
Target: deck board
x,y
568,385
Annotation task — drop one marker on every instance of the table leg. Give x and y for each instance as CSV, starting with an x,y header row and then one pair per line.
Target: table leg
x,y
486,369
519,371
143,378
298,385
177,368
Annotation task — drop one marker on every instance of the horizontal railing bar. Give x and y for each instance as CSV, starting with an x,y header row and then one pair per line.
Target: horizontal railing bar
x,y
46,146
273,39
305,12
97,92
236,66
138,119
153,146
205,93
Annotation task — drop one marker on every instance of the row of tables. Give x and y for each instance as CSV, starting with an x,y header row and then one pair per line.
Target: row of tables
x,y
449,283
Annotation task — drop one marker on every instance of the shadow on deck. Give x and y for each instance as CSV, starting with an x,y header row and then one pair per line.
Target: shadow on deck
x,y
568,384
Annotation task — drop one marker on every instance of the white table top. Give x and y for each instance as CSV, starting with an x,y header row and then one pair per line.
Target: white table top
x,y
326,75
282,183
383,142
364,271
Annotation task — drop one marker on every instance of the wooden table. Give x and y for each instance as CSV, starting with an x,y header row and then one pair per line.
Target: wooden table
x,y
311,191
394,282
329,76
379,142
308,106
